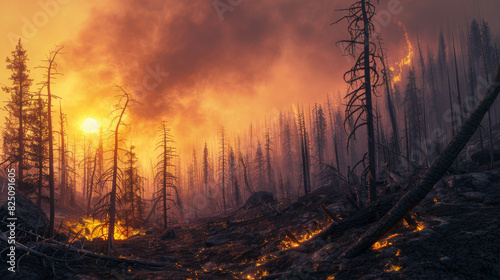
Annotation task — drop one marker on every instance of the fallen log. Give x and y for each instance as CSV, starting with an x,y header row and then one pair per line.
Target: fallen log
x,y
328,213
416,194
292,237
363,217
81,252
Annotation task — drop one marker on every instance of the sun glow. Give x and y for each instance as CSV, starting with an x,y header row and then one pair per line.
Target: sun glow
x,y
90,125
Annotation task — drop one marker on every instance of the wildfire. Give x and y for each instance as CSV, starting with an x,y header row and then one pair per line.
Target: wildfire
x,y
94,228
397,70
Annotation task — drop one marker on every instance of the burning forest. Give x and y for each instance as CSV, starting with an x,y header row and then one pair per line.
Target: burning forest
x,y
250,140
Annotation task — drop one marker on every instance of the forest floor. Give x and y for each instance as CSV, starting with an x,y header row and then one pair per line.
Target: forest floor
x,y
457,238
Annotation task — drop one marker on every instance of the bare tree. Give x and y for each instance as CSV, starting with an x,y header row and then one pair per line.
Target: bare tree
x,y
120,107
362,79
51,69
164,176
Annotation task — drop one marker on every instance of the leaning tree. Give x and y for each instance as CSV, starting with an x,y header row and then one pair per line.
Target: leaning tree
x,y
438,168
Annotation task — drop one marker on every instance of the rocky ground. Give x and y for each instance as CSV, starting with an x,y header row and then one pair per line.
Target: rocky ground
x,y
457,237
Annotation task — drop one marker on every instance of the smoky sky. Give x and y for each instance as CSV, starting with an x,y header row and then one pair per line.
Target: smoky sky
x,y
274,51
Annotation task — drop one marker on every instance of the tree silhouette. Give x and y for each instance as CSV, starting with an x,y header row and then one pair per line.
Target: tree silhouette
x,y
15,135
222,167
38,146
363,78
259,168
121,107
50,75
164,176
234,178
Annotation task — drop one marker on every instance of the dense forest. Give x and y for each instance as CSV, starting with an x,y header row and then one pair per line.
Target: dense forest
x,y
373,149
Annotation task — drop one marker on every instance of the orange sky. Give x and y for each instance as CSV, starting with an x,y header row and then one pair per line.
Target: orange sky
x,y
262,57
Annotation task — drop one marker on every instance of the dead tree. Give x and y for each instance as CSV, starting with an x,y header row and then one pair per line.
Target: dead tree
x,y
166,178
362,79
121,107
304,150
416,194
51,73
205,168
234,178
269,169
62,151
390,104
37,147
245,174
222,167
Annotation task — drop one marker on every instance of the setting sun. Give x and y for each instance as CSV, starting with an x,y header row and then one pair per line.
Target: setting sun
x,y
90,125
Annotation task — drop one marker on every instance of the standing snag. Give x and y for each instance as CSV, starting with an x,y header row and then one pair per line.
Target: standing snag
x,y
362,78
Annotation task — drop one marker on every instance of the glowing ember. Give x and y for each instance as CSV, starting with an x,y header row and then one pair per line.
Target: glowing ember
x,y
94,228
287,244
394,268
385,242
405,61
258,275
420,226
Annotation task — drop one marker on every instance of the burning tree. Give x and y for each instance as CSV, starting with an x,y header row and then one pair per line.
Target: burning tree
x,y
362,79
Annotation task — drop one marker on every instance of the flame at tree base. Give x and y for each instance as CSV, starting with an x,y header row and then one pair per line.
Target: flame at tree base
x,y
95,228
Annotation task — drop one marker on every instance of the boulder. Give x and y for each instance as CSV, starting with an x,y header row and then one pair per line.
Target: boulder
x,y
29,216
259,198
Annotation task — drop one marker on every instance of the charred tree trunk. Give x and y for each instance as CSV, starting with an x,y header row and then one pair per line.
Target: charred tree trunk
x,y
245,175
52,198
369,109
413,197
112,197
63,175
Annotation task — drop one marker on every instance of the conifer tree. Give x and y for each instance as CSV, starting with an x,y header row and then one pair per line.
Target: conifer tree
x,y
15,135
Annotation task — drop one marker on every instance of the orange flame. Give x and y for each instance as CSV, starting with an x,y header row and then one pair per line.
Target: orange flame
x,y
94,228
397,70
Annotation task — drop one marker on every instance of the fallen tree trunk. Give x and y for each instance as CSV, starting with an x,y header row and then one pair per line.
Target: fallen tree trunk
x,y
81,252
359,219
416,194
